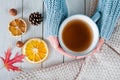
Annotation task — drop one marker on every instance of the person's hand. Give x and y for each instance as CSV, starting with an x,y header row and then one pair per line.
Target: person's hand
x,y
55,44
99,45
56,12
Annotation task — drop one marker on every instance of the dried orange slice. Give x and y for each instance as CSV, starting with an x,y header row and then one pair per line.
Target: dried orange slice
x,y
36,50
17,27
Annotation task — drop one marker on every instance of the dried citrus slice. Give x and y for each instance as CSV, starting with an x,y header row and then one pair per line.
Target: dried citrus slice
x,y
36,50
17,27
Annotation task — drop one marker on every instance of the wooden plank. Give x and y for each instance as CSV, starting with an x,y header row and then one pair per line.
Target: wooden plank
x,y
33,31
6,40
74,7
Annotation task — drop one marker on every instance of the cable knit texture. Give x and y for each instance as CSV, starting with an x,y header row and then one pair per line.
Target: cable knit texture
x,y
114,41
66,71
110,12
56,12
104,65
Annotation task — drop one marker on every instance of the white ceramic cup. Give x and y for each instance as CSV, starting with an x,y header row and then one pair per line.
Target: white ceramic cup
x,y
92,25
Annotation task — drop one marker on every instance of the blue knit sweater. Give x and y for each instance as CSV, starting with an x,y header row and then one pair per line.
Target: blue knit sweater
x,y
56,12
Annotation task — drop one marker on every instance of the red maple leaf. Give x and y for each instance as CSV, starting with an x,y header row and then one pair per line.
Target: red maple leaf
x,y
8,63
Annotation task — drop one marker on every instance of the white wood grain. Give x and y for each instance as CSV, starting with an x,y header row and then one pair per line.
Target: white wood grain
x,y
25,7
33,31
53,58
74,7
6,40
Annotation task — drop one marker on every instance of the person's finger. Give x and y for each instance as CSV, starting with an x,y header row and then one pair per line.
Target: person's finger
x,y
55,44
97,49
53,41
60,50
100,43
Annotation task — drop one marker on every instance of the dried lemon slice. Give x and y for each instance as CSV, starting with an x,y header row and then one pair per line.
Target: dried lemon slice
x,y
36,50
17,27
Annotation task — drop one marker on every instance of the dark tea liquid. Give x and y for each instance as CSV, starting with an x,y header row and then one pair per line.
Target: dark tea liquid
x,y
77,35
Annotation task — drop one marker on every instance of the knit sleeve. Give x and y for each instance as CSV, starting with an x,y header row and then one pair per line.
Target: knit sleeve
x,y
110,12
56,12
114,41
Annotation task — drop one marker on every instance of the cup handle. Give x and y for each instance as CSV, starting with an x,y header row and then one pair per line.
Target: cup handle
x,y
96,16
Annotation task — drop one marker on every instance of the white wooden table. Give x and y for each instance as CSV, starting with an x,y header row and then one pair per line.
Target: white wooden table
x,y
25,7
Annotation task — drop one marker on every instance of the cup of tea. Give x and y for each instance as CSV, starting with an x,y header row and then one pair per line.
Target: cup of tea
x,y
79,34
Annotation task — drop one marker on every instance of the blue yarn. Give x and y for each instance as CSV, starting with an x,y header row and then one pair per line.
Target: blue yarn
x,y
110,11
56,12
